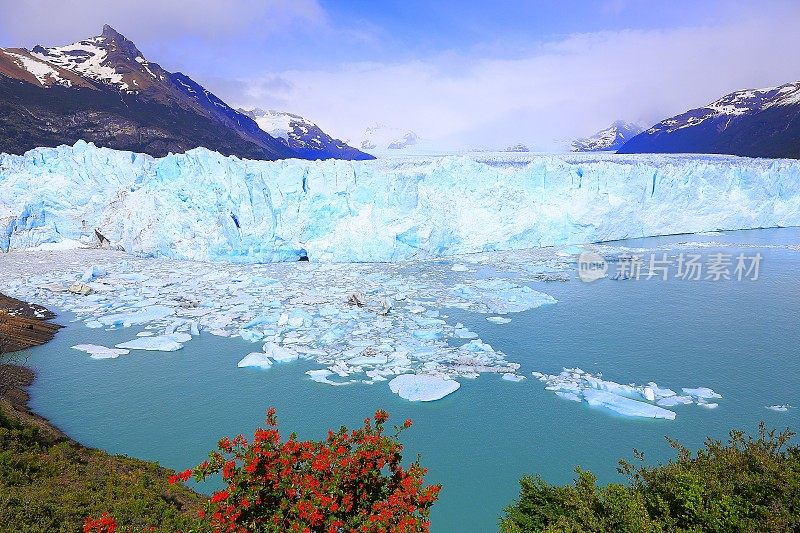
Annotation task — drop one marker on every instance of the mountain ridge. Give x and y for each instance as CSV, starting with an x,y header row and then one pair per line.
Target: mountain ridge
x,y
750,123
103,90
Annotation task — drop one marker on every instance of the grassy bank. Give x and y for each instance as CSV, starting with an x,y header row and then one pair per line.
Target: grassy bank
x,y
50,483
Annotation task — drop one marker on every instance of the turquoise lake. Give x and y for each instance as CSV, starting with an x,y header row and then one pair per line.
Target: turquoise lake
x,y
740,338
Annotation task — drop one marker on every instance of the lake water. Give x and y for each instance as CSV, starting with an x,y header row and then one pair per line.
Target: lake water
x,y
740,338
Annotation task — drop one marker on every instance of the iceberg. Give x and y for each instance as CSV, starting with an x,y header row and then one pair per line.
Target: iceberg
x,y
422,387
379,211
279,354
255,360
101,352
161,343
153,313
780,408
625,406
701,392
648,401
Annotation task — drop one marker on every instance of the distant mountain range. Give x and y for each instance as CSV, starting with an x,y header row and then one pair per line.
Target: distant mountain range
x,y
752,123
304,137
609,139
103,90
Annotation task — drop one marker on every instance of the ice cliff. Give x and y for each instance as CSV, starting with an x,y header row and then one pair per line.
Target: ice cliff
x,y
202,205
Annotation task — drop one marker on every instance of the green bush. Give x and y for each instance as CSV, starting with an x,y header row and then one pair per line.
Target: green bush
x,y
747,484
51,485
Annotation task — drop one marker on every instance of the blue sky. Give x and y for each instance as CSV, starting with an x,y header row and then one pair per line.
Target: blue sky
x,y
459,73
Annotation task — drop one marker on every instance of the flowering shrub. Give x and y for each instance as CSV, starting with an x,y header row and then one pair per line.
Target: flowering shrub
x,y
104,524
351,481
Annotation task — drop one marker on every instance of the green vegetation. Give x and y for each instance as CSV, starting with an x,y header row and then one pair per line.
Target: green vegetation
x,y
50,484
749,484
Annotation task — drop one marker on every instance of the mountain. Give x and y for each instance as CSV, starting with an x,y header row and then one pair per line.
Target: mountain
x,y
304,137
611,138
103,90
383,137
518,148
752,123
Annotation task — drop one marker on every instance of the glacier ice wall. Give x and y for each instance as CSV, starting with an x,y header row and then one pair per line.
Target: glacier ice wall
x,y
202,205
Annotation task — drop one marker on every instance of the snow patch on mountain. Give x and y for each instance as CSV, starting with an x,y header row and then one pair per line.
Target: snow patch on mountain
x,y
44,72
302,135
611,138
87,58
736,104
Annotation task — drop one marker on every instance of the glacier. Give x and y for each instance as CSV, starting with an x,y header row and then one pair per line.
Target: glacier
x,y
202,205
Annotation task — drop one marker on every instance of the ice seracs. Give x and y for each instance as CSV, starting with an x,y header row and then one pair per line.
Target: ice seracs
x,y
384,210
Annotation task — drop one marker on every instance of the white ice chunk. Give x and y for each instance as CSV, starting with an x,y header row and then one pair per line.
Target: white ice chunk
x,y
256,360
100,352
672,401
780,408
625,406
508,376
422,387
161,343
498,319
458,267
321,376
149,314
701,392
279,353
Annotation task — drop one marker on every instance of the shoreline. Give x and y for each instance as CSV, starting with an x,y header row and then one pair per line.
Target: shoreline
x,y
66,471
24,325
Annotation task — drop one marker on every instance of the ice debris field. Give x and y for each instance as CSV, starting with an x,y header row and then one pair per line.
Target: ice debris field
x,y
363,324
205,206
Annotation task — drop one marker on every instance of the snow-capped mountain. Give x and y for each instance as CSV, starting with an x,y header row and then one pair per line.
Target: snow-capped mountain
x,y
753,122
303,136
104,90
609,139
518,148
383,137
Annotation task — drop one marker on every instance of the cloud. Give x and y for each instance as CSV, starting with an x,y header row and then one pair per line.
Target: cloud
x,y
63,21
561,89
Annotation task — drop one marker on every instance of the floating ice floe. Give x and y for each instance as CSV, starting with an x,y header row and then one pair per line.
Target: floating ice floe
x,y
160,343
513,377
255,360
498,319
458,267
780,408
502,296
101,352
422,387
144,316
279,354
647,401
321,376
624,405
